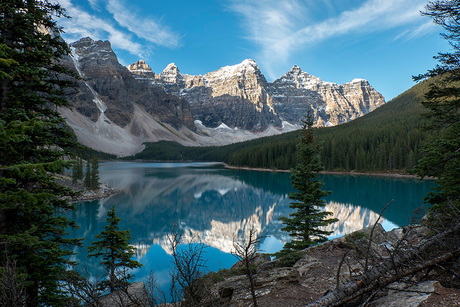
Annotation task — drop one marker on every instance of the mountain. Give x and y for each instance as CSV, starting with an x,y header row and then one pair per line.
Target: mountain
x,y
117,109
331,104
113,112
387,139
239,97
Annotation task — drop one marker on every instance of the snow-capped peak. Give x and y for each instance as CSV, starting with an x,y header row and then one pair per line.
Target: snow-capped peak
x,y
357,80
171,66
249,62
247,66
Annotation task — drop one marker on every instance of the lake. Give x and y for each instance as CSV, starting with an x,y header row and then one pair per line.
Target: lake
x,y
215,205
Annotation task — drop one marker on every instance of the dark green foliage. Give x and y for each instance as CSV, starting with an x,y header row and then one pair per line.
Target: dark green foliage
x,y
94,182
387,139
87,181
77,170
442,154
91,181
288,259
304,224
33,141
112,245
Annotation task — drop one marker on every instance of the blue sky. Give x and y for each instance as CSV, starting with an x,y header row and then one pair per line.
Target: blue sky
x,y
383,41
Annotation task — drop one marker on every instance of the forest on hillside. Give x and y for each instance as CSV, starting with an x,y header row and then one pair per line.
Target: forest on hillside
x,y
387,139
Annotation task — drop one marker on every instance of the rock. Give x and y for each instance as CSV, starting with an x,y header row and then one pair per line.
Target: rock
x,y
405,295
233,95
379,234
240,97
236,291
135,295
304,265
258,260
141,71
297,92
120,91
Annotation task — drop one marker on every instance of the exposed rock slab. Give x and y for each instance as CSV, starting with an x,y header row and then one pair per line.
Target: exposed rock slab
x,y
317,273
240,97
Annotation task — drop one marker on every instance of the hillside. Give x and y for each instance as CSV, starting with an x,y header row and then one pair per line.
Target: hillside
x,y
387,139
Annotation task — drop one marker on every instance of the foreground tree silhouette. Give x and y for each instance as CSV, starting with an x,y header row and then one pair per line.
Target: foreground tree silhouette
x,y
33,139
442,154
113,246
304,224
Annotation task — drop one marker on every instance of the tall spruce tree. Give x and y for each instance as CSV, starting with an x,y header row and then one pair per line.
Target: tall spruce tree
x,y
304,224
94,173
442,154
32,142
87,180
113,246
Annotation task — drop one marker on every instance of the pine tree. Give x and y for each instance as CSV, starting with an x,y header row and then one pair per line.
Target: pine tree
x,y
87,181
113,246
304,224
32,141
94,173
79,168
75,172
442,154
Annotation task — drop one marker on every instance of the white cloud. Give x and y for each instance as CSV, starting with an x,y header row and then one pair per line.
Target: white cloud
x,y
95,5
280,28
83,24
145,28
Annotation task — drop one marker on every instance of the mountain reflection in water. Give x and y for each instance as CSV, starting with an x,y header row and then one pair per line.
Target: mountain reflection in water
x,y
216,206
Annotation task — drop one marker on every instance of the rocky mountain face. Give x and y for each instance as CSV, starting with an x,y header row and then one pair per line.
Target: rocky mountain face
x,y
116,109
115,85
332,104
240,97
235,96
115,112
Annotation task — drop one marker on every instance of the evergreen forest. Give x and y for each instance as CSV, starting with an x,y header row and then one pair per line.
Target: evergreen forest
x,y
387,139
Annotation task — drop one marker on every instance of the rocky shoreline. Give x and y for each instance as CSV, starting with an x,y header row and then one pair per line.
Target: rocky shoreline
x,y
104,191
351,173
81,193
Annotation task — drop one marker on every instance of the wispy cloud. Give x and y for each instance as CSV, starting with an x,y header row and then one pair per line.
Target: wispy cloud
x,y
120,31
280,28
83,24
145,28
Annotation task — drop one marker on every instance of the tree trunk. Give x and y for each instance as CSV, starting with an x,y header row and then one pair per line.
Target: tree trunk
x,y
400,259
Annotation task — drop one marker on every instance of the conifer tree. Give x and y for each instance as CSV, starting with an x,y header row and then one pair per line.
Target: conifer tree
x,y
75,172
87,181
94,173
442,154
112,245
32,142
79,168
304,224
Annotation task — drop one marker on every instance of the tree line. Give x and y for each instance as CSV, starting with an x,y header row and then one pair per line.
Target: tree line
x,y
387,139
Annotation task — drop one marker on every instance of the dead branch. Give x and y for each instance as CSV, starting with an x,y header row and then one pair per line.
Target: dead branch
x,y
382,283
372,233
246,252
340,267
369,278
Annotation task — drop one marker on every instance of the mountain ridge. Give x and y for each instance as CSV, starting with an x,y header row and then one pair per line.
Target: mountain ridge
x,y
283,101
117,109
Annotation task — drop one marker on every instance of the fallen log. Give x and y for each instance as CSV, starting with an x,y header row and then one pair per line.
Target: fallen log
x,y
368,279
392,279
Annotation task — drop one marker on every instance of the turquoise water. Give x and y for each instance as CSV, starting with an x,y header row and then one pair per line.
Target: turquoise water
x,y
216,205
